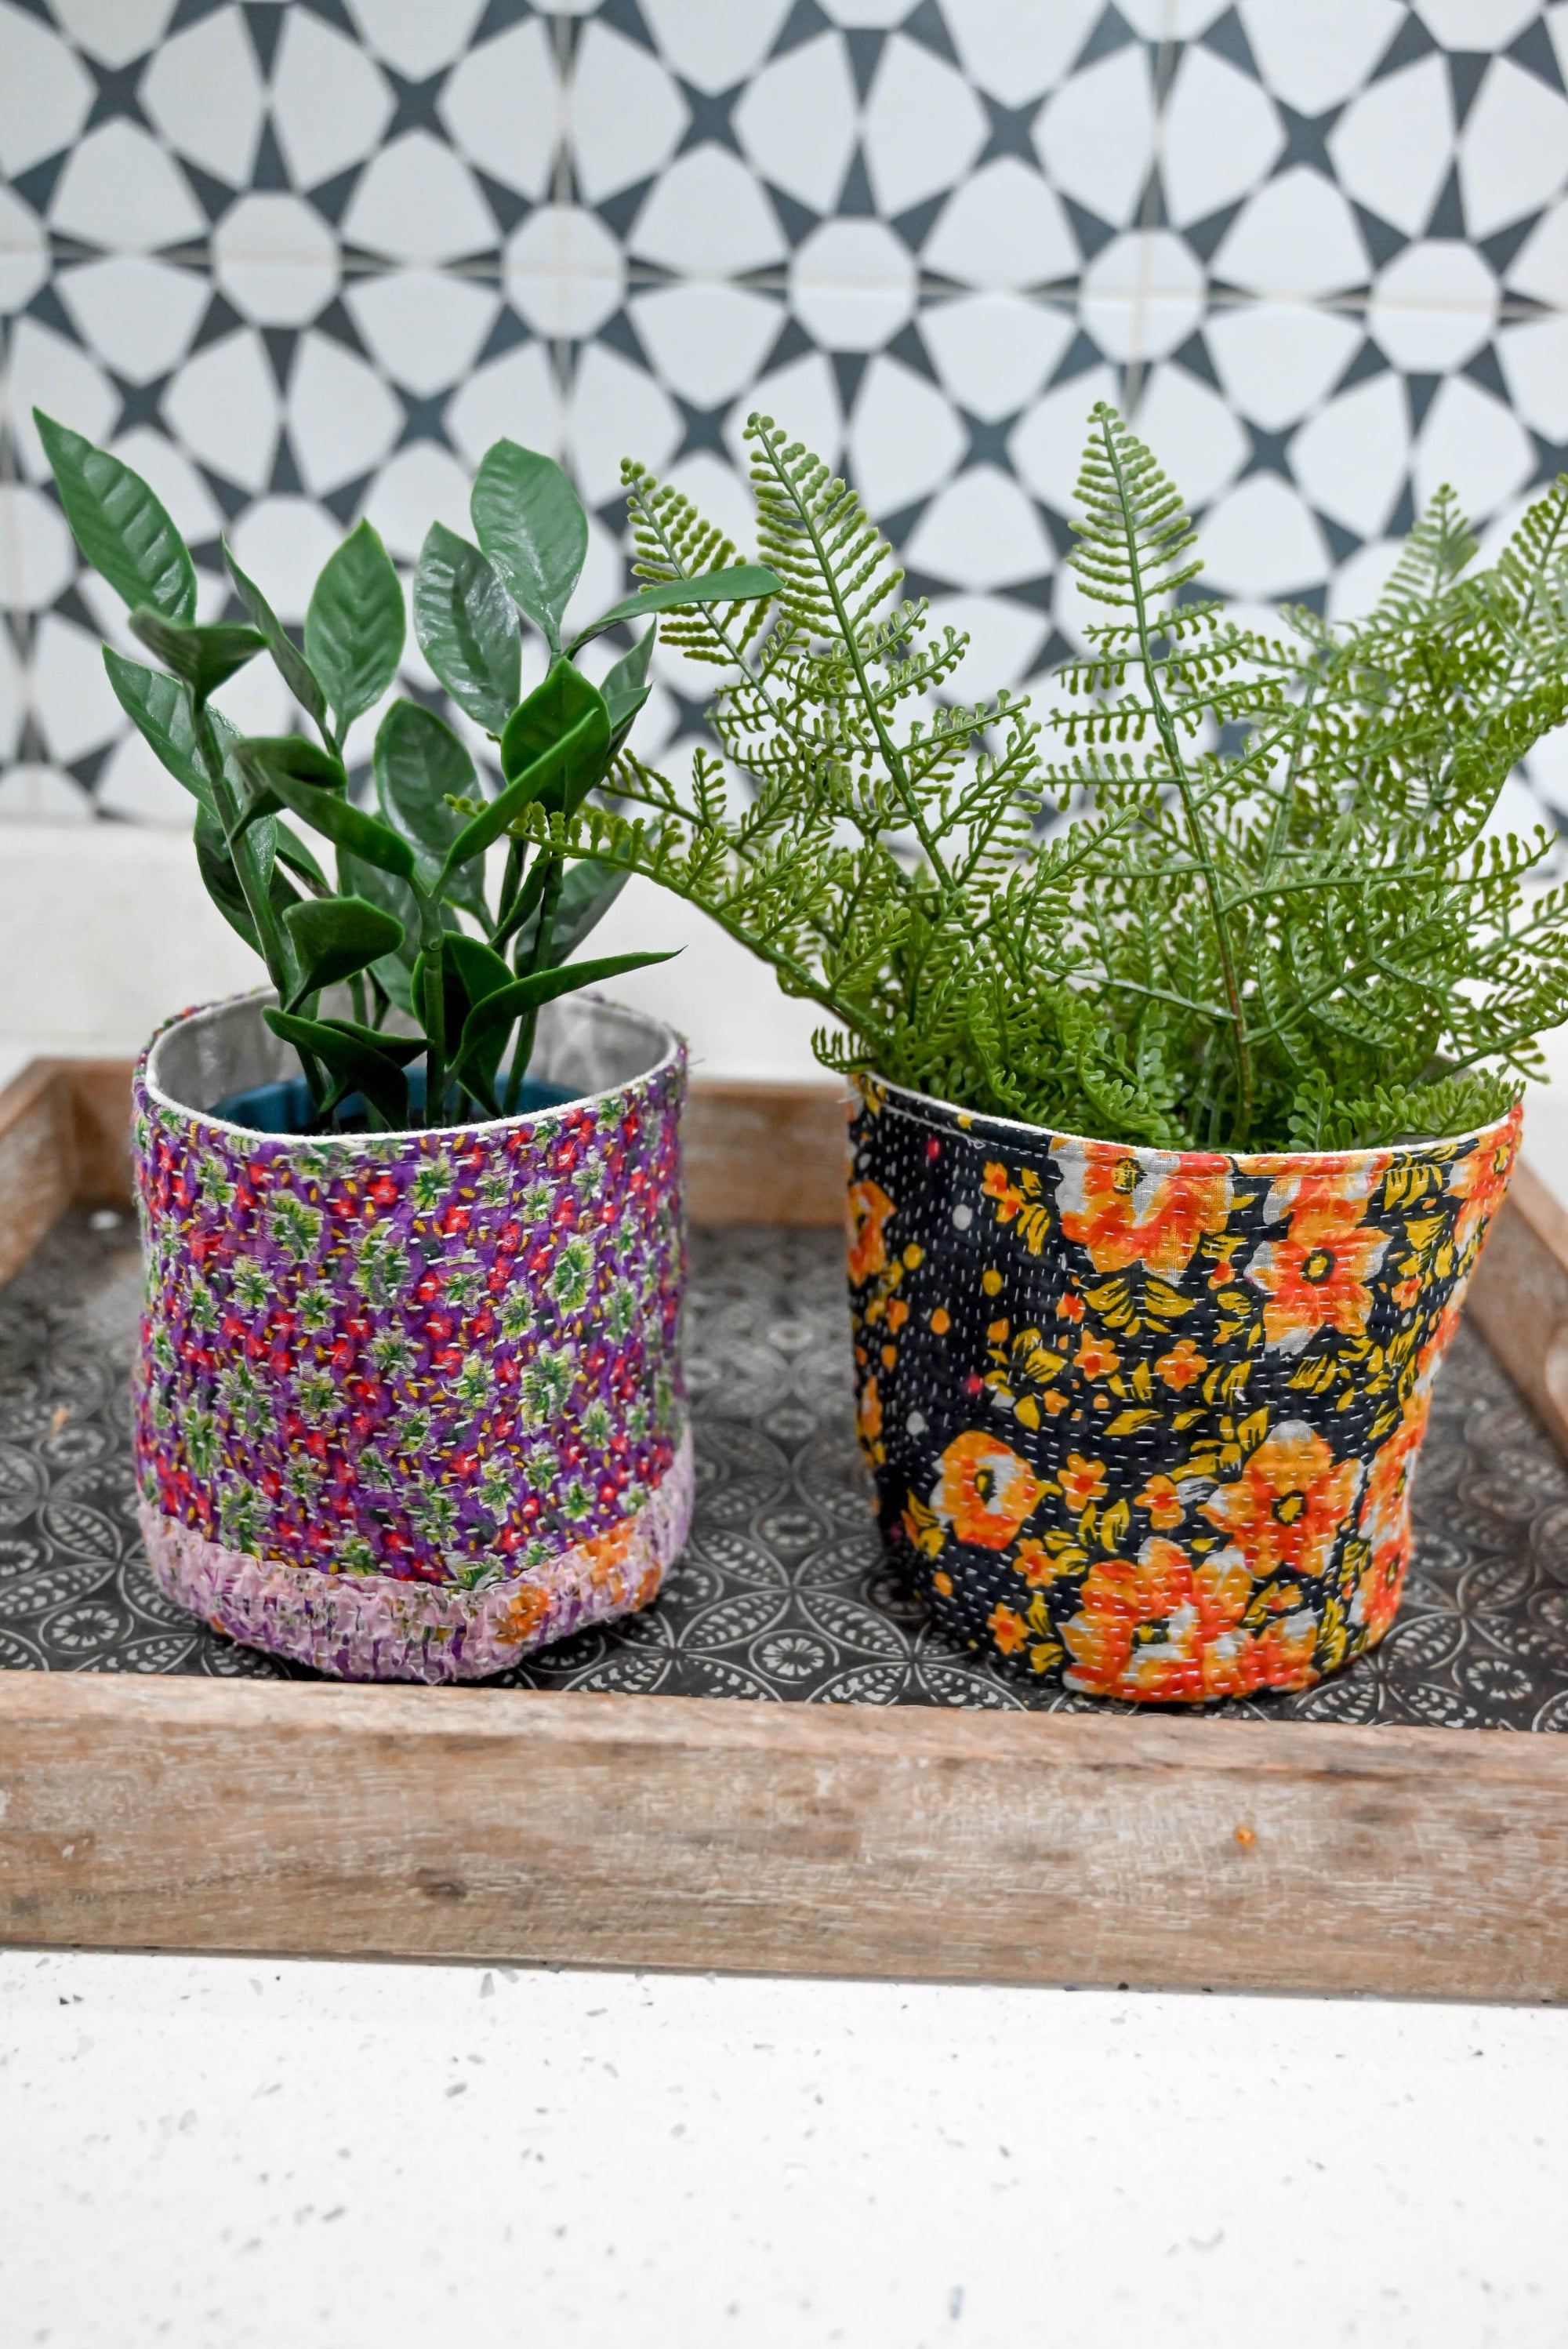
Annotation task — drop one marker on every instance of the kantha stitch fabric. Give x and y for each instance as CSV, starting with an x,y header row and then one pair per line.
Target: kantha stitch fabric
x,y
1143,1422
407,1406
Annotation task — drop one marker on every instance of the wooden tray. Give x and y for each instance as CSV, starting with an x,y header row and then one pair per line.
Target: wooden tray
x,y
512,1824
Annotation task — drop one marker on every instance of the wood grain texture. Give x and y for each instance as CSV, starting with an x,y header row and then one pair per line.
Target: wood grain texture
x,y
755,1154
1519,1298
100,1123
765,1153
37,1159
624,1830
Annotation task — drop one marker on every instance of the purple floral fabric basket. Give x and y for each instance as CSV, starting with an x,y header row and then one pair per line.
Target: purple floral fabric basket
x,y
407,1405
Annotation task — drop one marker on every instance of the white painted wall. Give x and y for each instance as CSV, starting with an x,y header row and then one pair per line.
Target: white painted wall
x,y
106,929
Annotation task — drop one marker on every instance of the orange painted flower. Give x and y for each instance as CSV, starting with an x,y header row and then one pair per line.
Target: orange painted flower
x,y
1147,1630
1315,1276
1385,1520
868,1209
1482,1178
1181,1365
1139,1206
1006,1627
1082,1481
1070,1307
1168,1629
985,1490
869,1413
1161,1497
1034,1562
1096,1357
607,1558
524,1612
1284,1510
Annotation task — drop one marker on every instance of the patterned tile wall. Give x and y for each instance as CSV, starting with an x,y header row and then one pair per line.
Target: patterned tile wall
x,y
302,262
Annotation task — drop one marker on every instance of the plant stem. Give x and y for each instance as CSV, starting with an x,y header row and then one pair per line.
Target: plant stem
x,y
914,813
538,959
256,885
1183,782
433,1008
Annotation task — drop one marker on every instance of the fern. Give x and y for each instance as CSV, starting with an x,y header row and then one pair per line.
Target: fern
x,y
1250,899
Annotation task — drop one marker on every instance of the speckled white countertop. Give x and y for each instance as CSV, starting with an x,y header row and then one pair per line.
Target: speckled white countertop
x,y
217,2153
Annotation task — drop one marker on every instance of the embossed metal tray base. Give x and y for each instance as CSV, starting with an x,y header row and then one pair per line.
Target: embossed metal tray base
x,y
781,1594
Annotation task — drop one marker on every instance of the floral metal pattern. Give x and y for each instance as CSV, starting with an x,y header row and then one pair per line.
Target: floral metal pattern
x,y
406,1405
1143,1422
783,1592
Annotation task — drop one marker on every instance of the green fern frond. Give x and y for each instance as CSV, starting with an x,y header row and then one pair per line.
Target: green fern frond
x,y
1239,888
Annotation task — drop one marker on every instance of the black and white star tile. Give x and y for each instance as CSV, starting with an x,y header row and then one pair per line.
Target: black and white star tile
x,y
302,262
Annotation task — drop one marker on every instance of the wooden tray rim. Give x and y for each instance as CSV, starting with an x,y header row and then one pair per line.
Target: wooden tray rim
x,y
558,1826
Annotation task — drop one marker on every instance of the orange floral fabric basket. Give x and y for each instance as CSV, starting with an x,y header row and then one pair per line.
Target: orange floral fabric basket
x,y
1143,1422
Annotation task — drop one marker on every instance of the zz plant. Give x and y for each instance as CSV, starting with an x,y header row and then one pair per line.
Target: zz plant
x,y
390,920
1235,889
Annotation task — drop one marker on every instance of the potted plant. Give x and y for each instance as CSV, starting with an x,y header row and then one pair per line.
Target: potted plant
x,y
409,1399
1187,1023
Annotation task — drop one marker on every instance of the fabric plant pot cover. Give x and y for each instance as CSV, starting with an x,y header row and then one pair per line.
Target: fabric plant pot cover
x,y
1143,1422
407,1405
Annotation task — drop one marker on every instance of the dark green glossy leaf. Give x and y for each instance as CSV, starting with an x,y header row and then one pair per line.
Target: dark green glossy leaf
x,y
393,896
341,1047
221,881
630,673
468,628
626,686
118,523
561,704
500,1009
570,764
306,781
478,967
742,584
587,893
292,664
399,1049
294,852
333,937
392,976
469,971
417,761
529,521
159,706
622,712
202,657
355,628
